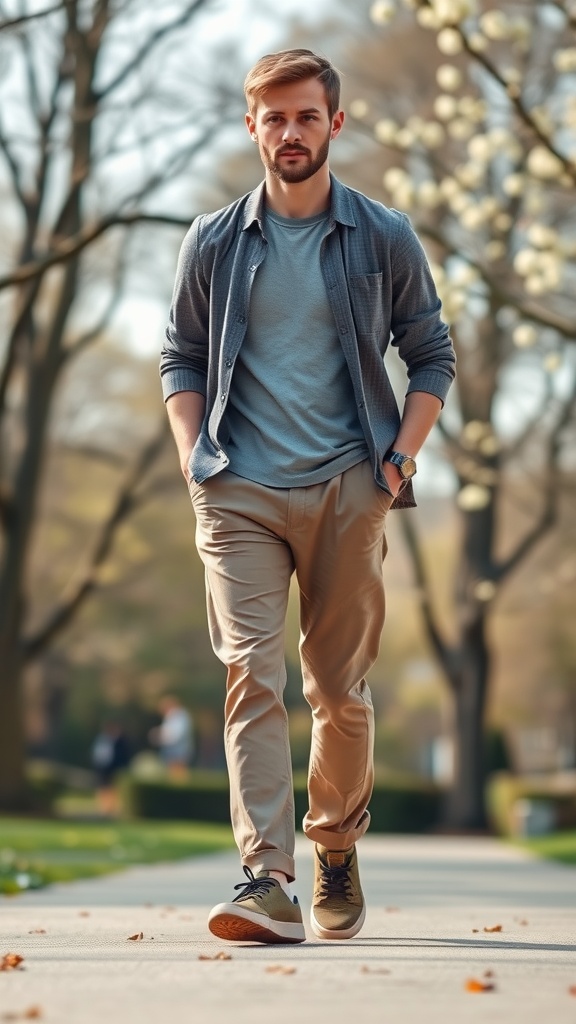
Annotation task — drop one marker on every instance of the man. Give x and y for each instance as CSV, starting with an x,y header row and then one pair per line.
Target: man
x,y
293,449
173,736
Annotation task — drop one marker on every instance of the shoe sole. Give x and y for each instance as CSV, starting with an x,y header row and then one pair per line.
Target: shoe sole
x,y
231,922
336,933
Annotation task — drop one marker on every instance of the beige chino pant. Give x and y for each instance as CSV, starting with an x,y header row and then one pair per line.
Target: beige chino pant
x,y
251,540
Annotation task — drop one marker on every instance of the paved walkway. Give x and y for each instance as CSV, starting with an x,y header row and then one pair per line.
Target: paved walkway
x,y
434,905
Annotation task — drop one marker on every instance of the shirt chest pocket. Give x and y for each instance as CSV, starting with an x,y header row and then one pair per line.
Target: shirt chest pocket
x,y
366,300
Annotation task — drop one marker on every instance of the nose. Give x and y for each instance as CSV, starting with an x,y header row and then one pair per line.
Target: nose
x,y
291,132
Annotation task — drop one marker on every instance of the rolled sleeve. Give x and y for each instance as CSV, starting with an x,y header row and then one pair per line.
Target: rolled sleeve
x,y
184,357
422,337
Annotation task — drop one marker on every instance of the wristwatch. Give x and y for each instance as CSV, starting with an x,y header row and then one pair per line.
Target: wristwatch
x,y
405,465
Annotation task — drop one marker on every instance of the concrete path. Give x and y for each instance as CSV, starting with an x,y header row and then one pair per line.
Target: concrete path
x,y
433,907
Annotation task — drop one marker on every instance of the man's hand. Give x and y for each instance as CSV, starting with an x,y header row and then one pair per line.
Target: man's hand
x,y
394,479
186,412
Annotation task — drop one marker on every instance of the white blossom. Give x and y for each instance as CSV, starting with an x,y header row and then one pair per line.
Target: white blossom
x,y
494,24
432,134
542,236
465,275
552,362
382,12
495,250
471,175
481,149
473,108
359,109
460,128
513,184
449,77
449,187
524,335
404,138
473,498
385,130
449,42
445,106
526,262
565,60
394,177
427,18
428,194
477,42
484,590
450,12
543,164
472,218
535,284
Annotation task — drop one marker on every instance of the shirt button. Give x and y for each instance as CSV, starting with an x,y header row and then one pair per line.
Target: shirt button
x,y
343,329
228,362
360,405
241,319
223,398
252,268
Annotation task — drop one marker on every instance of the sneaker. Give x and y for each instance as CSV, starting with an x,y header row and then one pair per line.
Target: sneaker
x,y
338,908
262,912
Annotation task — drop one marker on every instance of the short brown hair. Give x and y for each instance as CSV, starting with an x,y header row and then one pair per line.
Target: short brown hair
x,y
292,66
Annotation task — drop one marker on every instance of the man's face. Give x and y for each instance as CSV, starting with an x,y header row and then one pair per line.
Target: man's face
x,y
293,129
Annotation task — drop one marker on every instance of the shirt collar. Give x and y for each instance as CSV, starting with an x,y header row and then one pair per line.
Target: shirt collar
x,y
340,205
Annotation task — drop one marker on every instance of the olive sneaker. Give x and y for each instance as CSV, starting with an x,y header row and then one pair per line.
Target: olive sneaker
x,y
262,912
338,908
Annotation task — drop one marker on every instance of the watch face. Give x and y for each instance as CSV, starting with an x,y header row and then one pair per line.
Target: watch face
x,y
408,468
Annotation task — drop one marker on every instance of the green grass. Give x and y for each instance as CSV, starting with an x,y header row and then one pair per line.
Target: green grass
x,y
36,853
559,846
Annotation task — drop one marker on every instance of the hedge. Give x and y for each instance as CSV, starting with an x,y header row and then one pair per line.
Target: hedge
x,y
505,791
396,805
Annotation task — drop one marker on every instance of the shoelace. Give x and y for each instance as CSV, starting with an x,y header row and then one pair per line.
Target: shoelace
x,y
258,887
335,881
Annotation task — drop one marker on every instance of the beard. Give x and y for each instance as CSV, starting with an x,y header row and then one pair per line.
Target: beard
x,y
299,172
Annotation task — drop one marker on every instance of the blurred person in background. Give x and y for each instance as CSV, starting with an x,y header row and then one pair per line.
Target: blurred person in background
x,y
110,754
294,450
174,736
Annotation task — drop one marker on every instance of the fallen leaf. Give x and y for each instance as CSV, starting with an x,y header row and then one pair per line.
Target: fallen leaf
x,y
488,974
374,970
32,1013
475,985
522,920
37,931
391,910
11,962
475,929
494,928
280,969
572,990
83,913
217,956
136,937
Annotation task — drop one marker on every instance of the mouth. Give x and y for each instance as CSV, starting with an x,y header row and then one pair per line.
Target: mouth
x,y
291,153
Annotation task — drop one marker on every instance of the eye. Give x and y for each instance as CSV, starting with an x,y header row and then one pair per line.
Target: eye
x,y
309,117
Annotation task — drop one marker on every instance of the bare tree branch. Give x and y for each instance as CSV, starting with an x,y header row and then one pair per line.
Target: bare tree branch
x,y
149,45
73,245
127,500
24,19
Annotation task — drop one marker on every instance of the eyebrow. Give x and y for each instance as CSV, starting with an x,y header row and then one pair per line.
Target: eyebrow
x,y
307,110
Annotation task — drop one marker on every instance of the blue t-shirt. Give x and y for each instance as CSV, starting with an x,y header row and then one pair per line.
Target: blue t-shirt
x,y
291,419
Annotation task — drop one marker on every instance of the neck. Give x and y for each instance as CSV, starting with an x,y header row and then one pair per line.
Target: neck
x,y
302,199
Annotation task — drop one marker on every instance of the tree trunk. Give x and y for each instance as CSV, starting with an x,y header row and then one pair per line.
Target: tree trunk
x,y
465,805
13,794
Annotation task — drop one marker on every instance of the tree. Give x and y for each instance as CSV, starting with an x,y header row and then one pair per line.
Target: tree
x,y
94,126
478,145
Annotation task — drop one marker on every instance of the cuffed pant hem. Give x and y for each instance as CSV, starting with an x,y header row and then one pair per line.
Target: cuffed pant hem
x,y
333,840
271,860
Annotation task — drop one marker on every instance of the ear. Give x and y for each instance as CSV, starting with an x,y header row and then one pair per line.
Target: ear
x,y
337,124
251,126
